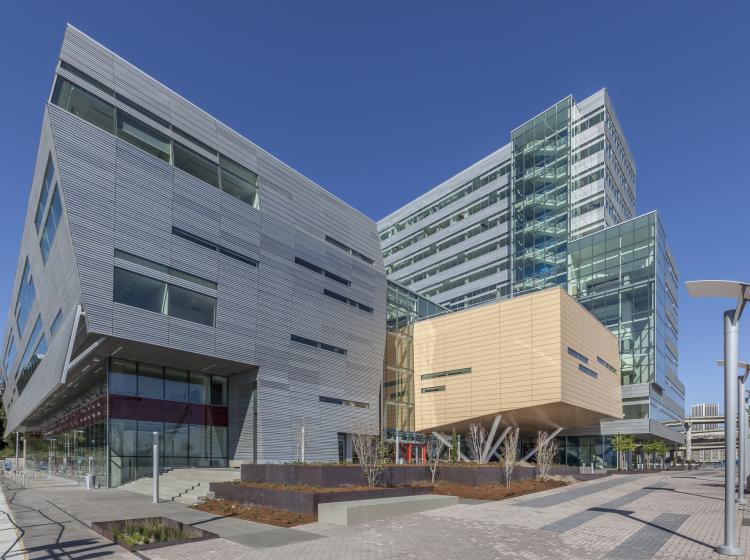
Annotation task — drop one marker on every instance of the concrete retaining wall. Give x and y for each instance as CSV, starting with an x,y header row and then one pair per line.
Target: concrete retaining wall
x,y
304,502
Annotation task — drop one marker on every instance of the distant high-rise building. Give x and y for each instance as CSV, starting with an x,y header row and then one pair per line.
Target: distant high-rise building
x,y
702,410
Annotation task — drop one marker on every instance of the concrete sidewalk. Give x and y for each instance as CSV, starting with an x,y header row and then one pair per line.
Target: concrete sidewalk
x,y
53,519
625,517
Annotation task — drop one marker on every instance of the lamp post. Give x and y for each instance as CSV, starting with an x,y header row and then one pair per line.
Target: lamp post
x,y
742,422
740,292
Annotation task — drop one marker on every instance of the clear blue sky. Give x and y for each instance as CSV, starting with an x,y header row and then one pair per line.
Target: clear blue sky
x,y
381,101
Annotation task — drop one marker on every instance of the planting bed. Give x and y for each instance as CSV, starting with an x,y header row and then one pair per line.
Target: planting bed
x,y
496,491
304,499
270,516
149,532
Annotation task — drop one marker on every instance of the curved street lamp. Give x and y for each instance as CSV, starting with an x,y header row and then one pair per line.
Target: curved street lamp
x,y
740,292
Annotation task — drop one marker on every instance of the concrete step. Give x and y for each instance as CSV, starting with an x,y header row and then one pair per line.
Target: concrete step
x,y
186,486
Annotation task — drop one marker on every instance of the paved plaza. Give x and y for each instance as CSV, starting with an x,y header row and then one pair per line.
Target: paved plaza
x,y
628,517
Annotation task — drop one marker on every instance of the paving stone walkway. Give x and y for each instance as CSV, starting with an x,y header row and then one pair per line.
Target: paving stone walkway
x,y
623,517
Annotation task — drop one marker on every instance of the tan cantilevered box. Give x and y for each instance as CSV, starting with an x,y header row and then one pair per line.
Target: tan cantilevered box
x,y
541,360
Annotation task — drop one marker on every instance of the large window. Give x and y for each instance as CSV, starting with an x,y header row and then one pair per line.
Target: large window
x,y
239,182
26,295
235,180
195,164
10,356
33,355
191,306
144,136
44,194
50,226
165,383
85,105
140,291
154,295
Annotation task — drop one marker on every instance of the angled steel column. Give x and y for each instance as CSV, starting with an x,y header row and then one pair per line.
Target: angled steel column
x,y
731,348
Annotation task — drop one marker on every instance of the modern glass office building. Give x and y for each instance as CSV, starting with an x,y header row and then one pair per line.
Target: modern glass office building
x,y
527,217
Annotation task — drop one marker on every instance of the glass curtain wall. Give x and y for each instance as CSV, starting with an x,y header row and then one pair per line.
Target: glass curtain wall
x,y
612,274
73,442
540,199
403,308
187,409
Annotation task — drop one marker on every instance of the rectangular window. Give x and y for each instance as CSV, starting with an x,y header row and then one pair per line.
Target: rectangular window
x,y
316,344
324,272
345,402
10,356
578,355
123,377
218,390
433,389
176,385
349,250
84,104
46,184
157,296
191,306
588,371
50,225
446,373
33,355
135,259
239,182
200,387
606,364
213,246
345,299
144,137
56,323
195,164
150,381
140,291
25,300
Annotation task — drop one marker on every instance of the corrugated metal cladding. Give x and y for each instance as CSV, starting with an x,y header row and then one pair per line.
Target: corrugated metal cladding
x,y
119,197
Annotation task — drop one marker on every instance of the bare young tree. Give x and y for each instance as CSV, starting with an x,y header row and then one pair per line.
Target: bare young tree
x,y
301,439
545,454
477,439
510,454
371,453
435,449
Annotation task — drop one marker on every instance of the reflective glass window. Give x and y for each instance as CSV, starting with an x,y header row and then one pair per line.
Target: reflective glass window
x,y
150,381
83,104
50,225
191,306
239,182
56,322
10,355
175,440
196,164
200,386
44,194
146,437
198,440
218,390
123,377
122,436
140,291
176,385
26,296
143,136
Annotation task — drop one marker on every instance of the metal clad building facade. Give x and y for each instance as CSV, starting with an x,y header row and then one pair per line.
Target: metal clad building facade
x,y
189,247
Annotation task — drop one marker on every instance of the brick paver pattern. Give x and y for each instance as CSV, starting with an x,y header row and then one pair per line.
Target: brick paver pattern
x,y
660,516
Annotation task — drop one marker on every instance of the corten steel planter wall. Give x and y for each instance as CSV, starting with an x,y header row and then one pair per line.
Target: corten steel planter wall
x,y
105,529
344,475
304,502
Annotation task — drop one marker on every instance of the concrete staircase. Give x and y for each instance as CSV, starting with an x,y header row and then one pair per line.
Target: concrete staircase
x,y
187,486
